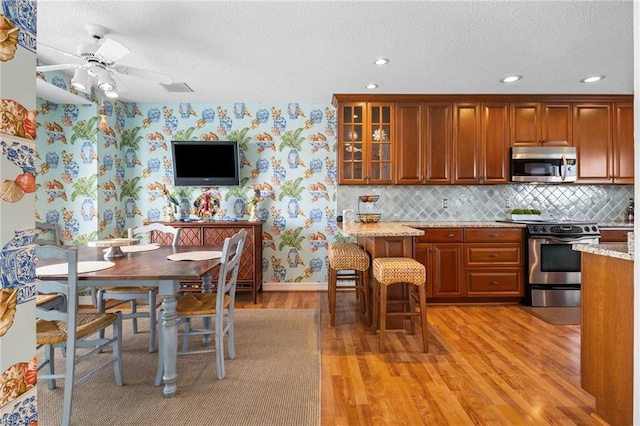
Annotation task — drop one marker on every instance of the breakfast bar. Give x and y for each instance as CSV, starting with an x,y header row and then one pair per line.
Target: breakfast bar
x,y
606,338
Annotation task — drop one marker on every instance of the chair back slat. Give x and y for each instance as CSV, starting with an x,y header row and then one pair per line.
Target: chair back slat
x,y
229,266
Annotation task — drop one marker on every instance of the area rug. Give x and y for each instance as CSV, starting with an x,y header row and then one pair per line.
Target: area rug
x,y
555,315
274,380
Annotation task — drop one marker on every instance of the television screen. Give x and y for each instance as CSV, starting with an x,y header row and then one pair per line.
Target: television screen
x,y
205,163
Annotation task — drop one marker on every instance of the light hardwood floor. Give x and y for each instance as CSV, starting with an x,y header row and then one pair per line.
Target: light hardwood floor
x,y
491,364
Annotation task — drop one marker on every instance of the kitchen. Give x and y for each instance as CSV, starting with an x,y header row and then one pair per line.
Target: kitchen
x,y
607,201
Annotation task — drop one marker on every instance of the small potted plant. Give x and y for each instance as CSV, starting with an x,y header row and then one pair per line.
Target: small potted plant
x,y
525,214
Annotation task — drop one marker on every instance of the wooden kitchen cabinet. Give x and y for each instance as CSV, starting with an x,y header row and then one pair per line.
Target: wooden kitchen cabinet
x,y
494,262
593,139
440,251
541,124
623,143
481,143
466,264
365,144
214,234
614,235
424,145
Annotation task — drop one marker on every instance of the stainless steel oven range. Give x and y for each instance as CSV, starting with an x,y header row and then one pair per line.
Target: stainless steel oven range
x,y
554,273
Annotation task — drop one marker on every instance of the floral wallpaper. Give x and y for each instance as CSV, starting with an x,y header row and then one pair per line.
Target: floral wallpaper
x,y
101,174
18,374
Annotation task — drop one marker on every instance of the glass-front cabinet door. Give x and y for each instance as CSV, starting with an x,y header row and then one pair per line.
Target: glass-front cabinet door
x,y
379,139
365,143
350,143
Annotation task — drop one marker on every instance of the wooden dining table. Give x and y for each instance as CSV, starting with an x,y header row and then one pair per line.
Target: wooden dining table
x,y
151,268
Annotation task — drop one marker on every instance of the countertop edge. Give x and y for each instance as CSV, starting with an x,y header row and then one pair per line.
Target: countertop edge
x,y
619,251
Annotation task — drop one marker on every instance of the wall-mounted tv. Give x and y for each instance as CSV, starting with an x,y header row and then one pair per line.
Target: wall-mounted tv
x,y
205,163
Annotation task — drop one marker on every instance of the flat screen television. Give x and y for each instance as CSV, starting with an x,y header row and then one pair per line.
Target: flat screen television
x,y
205,163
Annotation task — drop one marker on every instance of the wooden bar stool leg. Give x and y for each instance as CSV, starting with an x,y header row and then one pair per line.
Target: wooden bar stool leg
x,y
383,315
365,296
375,303
423,314
332,294
412,308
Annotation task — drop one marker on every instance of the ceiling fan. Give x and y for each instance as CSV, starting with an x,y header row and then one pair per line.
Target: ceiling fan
x,y
95,61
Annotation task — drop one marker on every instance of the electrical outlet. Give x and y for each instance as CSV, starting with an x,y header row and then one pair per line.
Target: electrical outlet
x,y
507,202
445,203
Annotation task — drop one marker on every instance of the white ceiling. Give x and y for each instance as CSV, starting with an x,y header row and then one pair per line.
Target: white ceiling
x,y
304,51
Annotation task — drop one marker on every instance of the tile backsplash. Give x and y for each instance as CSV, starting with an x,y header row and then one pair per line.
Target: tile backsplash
x,y
600,203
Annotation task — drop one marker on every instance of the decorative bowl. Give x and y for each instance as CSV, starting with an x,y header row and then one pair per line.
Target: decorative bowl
x,y
369,217
369,198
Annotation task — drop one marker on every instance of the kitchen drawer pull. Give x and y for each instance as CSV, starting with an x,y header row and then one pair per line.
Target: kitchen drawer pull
x,y
493,255
450,235
494,235
494,282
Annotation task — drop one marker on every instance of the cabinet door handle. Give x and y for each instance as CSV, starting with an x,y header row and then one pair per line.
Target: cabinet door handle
x,y
493,255
494,282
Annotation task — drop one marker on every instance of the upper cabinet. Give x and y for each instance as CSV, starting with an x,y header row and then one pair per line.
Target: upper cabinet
x,y
541,124
424,144
465,139
623,153
365,143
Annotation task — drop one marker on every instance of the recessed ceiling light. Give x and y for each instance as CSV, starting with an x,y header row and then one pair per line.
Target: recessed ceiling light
x,y
371,86
381,61
592,79
511,79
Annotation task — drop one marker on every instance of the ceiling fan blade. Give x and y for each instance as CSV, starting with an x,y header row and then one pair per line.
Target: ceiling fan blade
x,y
44,47
119,83
111,50
46,68
146,74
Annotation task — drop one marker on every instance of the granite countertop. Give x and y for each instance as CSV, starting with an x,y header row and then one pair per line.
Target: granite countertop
x,y
463,224
380,229
616,225
619,250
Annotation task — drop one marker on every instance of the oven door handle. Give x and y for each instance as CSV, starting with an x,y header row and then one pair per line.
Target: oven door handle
x,y
569,240
563,174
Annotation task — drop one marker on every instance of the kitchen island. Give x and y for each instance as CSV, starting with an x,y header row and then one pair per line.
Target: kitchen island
x,y
606,338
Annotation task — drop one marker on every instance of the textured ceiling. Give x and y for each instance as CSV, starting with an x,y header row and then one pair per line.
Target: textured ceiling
x,y
304,51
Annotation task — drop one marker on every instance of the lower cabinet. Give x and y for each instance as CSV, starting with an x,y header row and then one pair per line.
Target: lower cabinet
x,y
614,235
472,263
214,234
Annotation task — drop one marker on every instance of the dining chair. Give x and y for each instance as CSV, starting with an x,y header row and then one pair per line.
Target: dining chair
x,y
63,327
139,295
215,309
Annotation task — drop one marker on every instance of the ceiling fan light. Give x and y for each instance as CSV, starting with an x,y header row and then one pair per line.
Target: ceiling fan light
x,y
112,94
80,79
106,82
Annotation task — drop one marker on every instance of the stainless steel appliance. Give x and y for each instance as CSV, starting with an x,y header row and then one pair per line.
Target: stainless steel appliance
x,y
554,272
544,164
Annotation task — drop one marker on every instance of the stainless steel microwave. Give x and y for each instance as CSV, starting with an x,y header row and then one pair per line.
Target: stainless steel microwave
x,y
544,164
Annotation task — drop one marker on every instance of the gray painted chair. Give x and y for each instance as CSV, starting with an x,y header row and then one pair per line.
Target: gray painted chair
x,y
139,295
217,307
52,331
48,234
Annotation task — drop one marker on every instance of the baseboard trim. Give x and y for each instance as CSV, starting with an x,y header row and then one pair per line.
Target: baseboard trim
x,y
294,286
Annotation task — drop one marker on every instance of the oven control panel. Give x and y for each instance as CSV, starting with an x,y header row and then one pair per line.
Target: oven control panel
x,y
561,229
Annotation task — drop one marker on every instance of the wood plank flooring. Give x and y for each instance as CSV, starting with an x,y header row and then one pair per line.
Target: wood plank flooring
x,y
487,365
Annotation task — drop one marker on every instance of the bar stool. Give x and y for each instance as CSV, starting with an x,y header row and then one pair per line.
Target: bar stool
x,y
399,270
348,261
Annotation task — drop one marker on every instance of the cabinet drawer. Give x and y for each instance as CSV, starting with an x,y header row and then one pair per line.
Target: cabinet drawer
x,y
614,235
493,283
480,255
441,235
489,235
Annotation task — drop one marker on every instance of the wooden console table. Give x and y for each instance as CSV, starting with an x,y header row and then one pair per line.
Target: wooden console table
x,y
214,233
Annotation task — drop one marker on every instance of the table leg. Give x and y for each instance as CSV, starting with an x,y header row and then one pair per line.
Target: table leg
x,y
169,342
